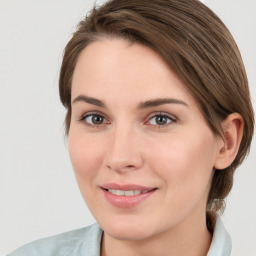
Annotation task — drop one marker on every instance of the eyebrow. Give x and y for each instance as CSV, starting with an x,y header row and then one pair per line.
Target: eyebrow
x,y
158,102
89,100
142,105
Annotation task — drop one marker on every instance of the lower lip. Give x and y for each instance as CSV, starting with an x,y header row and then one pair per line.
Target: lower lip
x,y
126,201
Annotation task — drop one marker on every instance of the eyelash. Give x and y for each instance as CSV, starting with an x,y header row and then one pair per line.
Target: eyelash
x,y
171,119
91,114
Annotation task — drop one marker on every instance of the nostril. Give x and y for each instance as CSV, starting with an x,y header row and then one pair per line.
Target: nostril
x,y
121,168
127,163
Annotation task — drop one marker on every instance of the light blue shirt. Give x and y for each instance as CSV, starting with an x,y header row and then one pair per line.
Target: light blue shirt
x,y
87,241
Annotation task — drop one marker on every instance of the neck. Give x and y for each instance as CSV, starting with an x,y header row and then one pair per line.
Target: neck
x,y
183,239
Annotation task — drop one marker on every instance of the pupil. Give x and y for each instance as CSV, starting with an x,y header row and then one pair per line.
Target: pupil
x,y
97,119
160,120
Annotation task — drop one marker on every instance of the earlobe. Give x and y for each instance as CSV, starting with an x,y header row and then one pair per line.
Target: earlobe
x,y
233,132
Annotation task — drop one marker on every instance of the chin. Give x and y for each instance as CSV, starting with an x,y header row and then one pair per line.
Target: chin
x,y
127,230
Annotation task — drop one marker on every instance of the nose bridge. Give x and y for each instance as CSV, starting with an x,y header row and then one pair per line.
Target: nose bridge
x,y
123,151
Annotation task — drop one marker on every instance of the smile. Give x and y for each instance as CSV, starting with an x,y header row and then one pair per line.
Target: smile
x,y
126,196
118,192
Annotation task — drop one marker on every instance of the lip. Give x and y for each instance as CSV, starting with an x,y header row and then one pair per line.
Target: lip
x,y
126,201
125,186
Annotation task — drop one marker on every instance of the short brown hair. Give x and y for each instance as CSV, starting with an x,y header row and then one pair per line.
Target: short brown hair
x,y
196,45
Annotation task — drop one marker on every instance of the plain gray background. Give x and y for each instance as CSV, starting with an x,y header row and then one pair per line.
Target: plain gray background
x,y
38,193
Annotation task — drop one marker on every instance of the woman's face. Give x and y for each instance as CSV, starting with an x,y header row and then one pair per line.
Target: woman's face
x,y
141,150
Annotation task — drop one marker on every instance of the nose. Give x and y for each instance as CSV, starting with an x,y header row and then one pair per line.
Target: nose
x,y
124,151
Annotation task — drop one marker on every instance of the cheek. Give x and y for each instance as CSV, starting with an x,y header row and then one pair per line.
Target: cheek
x,y
85,156
185,163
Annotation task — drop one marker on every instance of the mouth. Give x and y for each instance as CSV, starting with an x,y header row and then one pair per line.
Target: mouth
x,y
126,196
119,192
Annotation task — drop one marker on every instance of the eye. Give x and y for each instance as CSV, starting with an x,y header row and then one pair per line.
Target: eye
x,y
93,119
161,120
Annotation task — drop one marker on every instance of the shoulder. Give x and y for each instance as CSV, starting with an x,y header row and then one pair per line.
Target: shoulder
x,y
85,241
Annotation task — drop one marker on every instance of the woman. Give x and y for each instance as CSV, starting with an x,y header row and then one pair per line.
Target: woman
x,y
158,119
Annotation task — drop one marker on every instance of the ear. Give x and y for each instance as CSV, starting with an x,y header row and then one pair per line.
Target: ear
x,y
228,147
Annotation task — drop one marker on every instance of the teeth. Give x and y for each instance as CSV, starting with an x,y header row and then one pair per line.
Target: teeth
x,y
128,193
137,192
118,192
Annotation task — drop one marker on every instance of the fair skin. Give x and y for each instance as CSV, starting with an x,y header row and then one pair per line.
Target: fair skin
x,y
134,123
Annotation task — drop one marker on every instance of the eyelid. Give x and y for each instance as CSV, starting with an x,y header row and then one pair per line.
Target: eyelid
x,y
90,113
173,118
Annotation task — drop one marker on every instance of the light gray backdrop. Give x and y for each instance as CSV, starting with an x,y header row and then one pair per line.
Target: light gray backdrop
x,y
38,192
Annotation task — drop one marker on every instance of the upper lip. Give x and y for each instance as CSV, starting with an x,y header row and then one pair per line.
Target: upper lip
x,y
126,187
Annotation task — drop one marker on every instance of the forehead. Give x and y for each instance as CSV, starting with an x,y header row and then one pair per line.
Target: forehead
x,y
116,66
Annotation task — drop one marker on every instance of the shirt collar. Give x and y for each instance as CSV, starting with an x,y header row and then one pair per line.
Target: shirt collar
x,y
221,242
